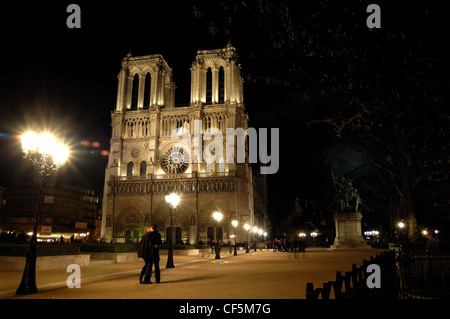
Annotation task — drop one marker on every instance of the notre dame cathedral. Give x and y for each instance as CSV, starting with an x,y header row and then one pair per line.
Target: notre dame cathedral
x,y
143,167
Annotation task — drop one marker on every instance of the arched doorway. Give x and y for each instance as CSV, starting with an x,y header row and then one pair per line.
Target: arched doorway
x,y
208,228
180,222
128,226
177,232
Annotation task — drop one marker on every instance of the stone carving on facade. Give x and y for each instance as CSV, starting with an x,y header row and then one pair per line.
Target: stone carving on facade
x,y
135,152
114,163
161,187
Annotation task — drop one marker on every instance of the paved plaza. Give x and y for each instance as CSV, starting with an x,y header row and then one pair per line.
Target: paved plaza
x,y
253,275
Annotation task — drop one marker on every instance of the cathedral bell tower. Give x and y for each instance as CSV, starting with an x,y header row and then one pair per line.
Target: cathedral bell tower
x,y
215,77
144,81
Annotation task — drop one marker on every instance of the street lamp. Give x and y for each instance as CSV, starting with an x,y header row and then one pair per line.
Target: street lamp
x,y
402,227
247,227
255,230
172,199
218,217
314,235
47,157
235,223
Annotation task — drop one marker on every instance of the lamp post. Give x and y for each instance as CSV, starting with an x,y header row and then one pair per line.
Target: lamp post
x,y
218,217
255,230
235,223
47,156
402,227
265,236
172,199
314,235
247,227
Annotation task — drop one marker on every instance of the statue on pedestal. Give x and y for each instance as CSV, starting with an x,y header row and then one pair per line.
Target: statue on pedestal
x,y
347,218
347,198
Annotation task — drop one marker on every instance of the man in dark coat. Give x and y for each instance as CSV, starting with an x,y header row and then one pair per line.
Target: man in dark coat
x,y
149,251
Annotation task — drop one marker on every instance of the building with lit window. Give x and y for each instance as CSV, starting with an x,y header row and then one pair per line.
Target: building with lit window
x,y
158,148
64,211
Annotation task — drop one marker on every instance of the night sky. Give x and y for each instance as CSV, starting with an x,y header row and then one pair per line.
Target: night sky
x,y
66,79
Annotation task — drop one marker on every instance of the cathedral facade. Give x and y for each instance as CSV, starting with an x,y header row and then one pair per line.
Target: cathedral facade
x,y
158,148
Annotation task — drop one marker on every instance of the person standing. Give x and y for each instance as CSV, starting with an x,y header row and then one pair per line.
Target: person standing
x,y
149,251
145,251
155,237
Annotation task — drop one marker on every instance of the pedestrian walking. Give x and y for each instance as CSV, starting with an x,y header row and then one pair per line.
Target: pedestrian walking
x,y
149,251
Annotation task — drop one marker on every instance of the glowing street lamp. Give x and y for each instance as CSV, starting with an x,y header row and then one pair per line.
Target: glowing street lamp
x,y
47,156
218,217
172,199
247,227
402,227
235,223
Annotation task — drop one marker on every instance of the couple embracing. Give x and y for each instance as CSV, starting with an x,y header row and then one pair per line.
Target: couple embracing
x,y
149,251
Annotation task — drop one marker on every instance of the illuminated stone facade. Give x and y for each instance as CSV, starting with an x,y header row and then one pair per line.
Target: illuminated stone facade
x,y
144,164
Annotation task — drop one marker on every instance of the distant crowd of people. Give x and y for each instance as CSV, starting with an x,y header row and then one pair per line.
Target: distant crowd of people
x,y
288,245
12,237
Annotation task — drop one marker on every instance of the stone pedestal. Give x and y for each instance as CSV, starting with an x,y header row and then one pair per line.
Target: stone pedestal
x,y
348,231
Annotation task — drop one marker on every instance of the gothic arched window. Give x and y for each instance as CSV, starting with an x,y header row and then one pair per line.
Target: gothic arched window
x,y
221,85
147,90
135,92
210,234
130,169
208,86
143,169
